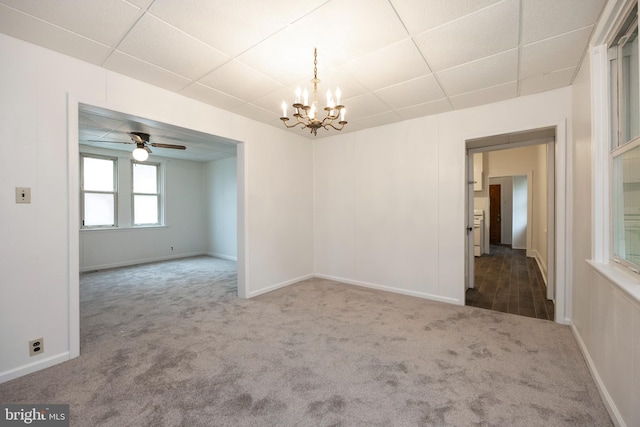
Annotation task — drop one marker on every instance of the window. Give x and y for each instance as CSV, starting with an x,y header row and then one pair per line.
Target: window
x,y
119,197
146,198
98,190
625,144
623,55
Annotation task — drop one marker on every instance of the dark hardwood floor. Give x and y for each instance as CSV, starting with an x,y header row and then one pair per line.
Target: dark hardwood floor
x,y
508,281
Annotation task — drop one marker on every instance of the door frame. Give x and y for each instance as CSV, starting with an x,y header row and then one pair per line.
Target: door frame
x,y
558,226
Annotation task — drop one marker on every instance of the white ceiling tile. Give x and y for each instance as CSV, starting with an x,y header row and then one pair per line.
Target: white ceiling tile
x,y
426,109
485,96
364,105
286,57
547,81
351,28
542,19
417,91
423,15
105,21
142,4
375,120
25,27
371,72
150,40
226,78
486,72
138,69
273,101
211,96
553,54
270,117
471,37
213,20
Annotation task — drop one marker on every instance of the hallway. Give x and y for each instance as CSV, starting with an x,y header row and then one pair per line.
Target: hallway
x,y
508,281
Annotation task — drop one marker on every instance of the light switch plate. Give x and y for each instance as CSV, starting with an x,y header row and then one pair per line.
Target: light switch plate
x,y
23,195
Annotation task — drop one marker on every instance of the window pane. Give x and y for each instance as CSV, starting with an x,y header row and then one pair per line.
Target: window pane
x,y
626,205
145,178
145,209
99,209
98,174
630,114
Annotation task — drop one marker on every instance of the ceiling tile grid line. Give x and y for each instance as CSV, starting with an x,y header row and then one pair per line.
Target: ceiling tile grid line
x,y
115,47
520,20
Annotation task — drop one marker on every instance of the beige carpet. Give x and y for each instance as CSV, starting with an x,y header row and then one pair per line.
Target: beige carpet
x,y
170,345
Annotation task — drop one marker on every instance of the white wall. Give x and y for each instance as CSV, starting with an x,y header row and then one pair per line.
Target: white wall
x,y
220,195
38,147
605,319
184,219
389,201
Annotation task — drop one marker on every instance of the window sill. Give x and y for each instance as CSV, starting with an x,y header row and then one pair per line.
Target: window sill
x,y
625,280
131,228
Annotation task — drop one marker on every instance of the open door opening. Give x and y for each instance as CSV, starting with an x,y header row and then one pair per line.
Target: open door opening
x,y
517,203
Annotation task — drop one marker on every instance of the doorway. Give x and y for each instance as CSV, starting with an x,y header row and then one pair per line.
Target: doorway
x,y
73,107
534,170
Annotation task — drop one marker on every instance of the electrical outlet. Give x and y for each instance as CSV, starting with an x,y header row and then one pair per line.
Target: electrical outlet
x,y
36,347
171,247
23,195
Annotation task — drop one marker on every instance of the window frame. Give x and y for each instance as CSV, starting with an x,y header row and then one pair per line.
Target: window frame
x,y
114,161
617,115
157,194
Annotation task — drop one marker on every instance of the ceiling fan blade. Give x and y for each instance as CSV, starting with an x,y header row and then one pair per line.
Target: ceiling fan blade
x,y
175,147
109,142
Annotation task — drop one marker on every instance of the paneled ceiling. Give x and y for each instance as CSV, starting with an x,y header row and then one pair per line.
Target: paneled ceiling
x,y
102,128
393,59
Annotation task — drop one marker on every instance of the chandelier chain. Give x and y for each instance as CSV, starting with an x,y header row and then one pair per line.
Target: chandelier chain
x,y
315,64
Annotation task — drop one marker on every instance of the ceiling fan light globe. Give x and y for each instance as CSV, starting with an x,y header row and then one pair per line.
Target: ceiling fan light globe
x,y
140,154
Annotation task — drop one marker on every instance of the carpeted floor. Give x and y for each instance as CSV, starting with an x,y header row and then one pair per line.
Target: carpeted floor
x,y
171,345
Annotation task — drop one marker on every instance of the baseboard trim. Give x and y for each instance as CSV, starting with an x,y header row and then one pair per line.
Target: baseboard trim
x,y
140,261
615,415
34,367
223,256
391,289
279,285
541,265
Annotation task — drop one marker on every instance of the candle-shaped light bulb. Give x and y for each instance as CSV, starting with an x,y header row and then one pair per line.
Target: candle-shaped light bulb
x,y
298,95
284,109
312,112
305,96
338,95
344,110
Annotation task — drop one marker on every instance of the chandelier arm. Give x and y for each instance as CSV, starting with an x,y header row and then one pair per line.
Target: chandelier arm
x,y
331,124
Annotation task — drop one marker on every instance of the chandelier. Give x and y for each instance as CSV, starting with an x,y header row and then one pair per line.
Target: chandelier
x,y
307,114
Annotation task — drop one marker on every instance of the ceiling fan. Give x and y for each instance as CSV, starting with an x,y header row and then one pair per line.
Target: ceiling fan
x,y
142,150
